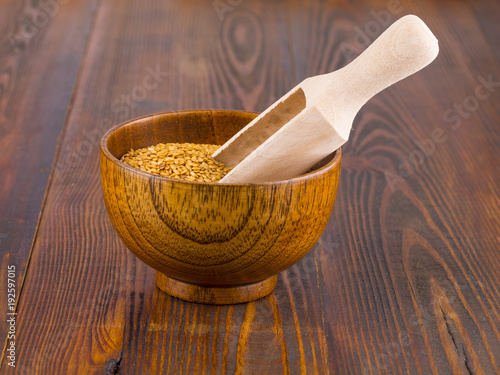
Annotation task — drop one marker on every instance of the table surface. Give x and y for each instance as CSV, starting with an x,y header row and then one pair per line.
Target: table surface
x,y
406,277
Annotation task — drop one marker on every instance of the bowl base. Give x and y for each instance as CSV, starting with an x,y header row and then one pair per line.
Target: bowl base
x,y
215,295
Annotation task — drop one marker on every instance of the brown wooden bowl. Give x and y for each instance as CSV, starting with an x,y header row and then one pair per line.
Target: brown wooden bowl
x,y
209,242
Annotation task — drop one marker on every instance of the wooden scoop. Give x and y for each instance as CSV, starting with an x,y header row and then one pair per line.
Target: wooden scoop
x,y
315,118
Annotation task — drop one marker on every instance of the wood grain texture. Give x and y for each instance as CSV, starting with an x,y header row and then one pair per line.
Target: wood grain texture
x,y
414,272
216,237
315,117
405,278
38,68
103,312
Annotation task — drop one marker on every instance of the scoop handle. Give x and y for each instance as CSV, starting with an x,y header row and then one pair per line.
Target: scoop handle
x,y
403,49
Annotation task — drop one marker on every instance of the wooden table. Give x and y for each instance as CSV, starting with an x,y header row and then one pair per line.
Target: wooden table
x,y
406,277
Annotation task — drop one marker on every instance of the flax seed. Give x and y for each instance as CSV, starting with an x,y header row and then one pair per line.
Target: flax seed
x,y
186,161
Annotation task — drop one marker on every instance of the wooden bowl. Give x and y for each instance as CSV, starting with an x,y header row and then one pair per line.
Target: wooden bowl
x,y
209,242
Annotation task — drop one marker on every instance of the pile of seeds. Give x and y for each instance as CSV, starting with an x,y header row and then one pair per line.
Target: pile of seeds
x,y
187,161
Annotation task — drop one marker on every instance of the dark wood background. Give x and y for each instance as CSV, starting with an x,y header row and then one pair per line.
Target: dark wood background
x,y
405,279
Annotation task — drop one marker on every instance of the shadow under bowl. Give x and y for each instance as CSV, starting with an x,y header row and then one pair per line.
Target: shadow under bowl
x,y
211,242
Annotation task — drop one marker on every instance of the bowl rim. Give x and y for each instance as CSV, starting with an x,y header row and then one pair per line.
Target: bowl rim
x,y
105,151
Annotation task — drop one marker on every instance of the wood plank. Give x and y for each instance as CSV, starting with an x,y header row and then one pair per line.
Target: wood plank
x,y
405,278
40,53
88,304
412,274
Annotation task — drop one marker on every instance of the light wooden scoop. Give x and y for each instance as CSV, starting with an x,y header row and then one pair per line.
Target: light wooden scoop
x,y
315,118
